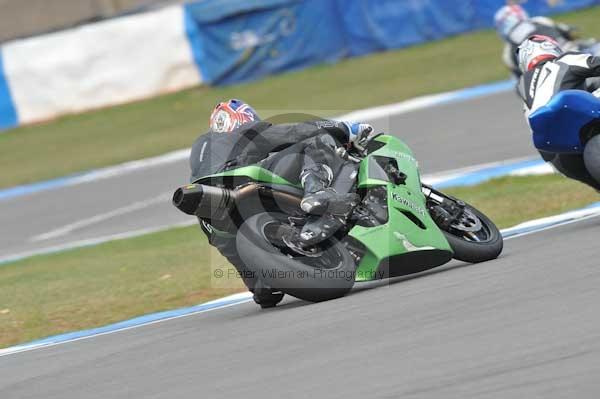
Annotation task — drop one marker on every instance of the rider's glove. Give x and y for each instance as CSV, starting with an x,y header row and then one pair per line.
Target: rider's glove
x,y
358,132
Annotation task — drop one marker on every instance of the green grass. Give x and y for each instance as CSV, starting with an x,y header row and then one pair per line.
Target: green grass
x,y
512,200
95,286
152,127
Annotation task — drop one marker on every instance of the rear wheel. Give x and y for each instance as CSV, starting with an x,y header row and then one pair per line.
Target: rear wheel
x,y
591,157
317,274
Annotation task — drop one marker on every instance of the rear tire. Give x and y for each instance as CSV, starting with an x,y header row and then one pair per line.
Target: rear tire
x,y
591,157
294,275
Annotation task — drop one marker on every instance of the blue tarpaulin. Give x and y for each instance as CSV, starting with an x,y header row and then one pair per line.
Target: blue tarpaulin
x,y
235,41
277,36
373,25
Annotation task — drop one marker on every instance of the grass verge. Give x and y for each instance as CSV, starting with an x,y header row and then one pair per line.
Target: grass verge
x,y
511,200
152,127
96,286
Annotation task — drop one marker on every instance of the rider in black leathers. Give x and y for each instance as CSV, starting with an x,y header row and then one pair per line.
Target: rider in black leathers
x,y
303,153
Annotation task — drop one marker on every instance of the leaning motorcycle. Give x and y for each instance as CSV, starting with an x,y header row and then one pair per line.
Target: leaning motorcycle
x,y
400,226
570,124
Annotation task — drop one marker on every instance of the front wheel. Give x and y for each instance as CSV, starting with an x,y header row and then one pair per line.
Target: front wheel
x,y
326,272
474,245
472,235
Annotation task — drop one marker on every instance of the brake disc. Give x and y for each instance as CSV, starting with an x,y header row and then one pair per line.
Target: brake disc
x,y
467,222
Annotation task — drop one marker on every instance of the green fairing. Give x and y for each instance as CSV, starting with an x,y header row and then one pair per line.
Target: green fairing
x,y
255,173
399,236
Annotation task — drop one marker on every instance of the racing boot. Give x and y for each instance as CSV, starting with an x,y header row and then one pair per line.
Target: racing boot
x,y
327,208
320,228
266,297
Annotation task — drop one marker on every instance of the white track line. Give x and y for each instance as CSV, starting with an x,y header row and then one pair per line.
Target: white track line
x,y
550,222
132,166
428,101
69,228
554,226
545,169
91,242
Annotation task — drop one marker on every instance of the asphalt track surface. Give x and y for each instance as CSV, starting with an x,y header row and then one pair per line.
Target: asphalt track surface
x,y
444,137
523,326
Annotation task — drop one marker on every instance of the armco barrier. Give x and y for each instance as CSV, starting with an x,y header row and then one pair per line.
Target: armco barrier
x,y
219,42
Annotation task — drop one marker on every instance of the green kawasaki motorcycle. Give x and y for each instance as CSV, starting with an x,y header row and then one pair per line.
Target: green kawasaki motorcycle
x,y
400,227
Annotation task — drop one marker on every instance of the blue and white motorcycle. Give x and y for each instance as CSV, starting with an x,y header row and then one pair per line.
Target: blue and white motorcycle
x,y
570,124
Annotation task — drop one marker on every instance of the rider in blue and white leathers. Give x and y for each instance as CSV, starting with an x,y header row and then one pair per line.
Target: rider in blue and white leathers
x,y
547,70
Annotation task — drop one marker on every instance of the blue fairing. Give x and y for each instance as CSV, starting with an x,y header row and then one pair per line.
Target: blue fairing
x,y
557,125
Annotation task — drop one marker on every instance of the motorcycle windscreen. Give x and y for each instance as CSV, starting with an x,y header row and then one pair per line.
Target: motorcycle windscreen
x,y
557,126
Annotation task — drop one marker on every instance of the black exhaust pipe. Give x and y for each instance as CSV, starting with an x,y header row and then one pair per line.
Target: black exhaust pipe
x,y
204,201
214,203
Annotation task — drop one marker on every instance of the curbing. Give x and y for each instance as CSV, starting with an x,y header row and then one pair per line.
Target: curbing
x,y
481,173
145,320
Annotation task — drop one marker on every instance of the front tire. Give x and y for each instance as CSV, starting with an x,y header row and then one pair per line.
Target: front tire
x,y
319,278
481,246
591,157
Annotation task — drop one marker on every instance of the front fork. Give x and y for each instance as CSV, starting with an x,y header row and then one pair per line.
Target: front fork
x,y
444,210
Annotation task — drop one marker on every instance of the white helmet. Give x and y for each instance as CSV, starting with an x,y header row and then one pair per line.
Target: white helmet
x,y
508,17
536,49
